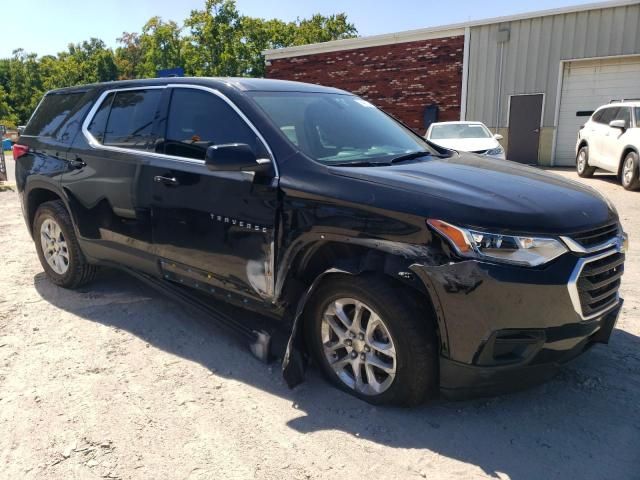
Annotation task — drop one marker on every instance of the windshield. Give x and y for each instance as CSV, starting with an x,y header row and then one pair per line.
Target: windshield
x,y
339,129
459,130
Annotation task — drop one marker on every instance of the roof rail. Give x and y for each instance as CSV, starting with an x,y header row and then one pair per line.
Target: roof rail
x,y
626,100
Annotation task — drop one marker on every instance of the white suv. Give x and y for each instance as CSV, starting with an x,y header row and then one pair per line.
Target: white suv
x,y
610,140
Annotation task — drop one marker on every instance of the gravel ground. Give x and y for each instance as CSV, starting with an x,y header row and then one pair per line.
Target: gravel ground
x,y
113,381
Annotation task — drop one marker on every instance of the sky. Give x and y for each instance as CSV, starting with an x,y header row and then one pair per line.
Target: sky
x,y
47,26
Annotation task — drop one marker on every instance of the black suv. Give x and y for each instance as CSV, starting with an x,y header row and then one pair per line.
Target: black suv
x,y
399,267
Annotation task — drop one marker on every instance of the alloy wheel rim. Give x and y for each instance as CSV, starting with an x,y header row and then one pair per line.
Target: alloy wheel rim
x,y
54,246
582,161
627,172
358,346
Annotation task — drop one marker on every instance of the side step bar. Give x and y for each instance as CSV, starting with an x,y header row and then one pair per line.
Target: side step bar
x,y
259,340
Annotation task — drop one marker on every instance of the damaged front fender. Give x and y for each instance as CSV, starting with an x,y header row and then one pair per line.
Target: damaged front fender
x,y
296,357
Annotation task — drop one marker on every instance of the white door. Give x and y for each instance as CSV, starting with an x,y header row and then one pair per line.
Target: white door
x,y
586,85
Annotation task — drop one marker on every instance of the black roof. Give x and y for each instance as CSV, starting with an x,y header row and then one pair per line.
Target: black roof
x,y
241,84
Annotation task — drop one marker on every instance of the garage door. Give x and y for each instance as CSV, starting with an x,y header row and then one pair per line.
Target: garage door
x,y
586,85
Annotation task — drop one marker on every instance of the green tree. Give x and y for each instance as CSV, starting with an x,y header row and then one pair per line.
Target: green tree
x,y
211,48
128,56
215,41
7,117
24,86
92,61
160,45
223,42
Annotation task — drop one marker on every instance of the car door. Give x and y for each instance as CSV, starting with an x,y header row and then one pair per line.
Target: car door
x,y
615,140
105,185
211,230
600,130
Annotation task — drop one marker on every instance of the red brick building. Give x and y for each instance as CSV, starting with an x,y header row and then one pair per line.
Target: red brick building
x,y
403,77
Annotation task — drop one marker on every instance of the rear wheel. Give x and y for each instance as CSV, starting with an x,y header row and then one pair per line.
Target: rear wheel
x,y
372,339
582,163
58,248
631,172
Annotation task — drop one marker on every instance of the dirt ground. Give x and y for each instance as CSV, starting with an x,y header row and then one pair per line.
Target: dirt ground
x,y
113,381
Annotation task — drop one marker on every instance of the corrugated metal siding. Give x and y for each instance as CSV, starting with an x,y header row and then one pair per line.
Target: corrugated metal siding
x,y
533,53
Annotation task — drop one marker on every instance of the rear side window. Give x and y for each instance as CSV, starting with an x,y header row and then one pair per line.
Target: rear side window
x,y
130,118
52,113
637,110
199,119
99,121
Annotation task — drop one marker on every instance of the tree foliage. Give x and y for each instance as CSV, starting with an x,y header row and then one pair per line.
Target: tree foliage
x,y
215,41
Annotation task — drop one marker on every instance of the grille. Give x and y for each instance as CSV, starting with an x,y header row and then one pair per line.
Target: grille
x,y
597,236
598,284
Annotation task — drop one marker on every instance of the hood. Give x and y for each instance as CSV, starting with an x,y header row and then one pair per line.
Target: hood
x,y
476,191
467,144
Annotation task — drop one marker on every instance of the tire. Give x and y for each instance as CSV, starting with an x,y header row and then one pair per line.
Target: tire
x,y
406,327
582,163
57,247
630,176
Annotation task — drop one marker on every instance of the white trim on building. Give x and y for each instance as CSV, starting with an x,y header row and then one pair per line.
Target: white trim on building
x,y
465,74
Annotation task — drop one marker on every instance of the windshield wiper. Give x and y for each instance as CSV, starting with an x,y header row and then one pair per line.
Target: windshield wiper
x,y
360,164
410,156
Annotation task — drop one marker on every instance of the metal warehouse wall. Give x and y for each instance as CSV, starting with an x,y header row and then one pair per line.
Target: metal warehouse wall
x,y
532,58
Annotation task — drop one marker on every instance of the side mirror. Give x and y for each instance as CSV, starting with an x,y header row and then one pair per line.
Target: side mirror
x,y
621,124
498,137
234,157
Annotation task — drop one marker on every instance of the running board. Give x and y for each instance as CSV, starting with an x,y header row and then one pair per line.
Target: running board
x,y
259,340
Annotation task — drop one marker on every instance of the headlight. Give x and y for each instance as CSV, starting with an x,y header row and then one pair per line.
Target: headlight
x,y
495,151
518,250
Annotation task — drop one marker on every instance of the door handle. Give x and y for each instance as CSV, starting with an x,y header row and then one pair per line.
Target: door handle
x,y
537,130
166,180
77,164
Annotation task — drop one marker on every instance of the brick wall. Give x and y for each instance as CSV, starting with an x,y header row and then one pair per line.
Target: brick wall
x,y
402,78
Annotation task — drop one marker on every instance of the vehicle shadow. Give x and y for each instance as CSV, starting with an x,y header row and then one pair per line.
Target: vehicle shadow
x,y
607,177
583,424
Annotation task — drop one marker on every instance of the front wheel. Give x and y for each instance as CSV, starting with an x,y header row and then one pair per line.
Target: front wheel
x,y
373,339
582,163
631,172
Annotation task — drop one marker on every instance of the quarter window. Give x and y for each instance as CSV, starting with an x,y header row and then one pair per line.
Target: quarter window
x,y
131,117
51,113
199,119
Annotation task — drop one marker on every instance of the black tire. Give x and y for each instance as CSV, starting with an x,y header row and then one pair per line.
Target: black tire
x,y
411,328
582,165
79,271
630,172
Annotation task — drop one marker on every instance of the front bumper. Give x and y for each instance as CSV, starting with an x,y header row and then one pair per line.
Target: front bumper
x,y
504,327
559,345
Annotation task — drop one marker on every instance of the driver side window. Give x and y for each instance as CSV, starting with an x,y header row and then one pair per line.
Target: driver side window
x,y
199,119
624,114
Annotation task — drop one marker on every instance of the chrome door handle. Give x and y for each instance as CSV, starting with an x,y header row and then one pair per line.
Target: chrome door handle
x,y
166,180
